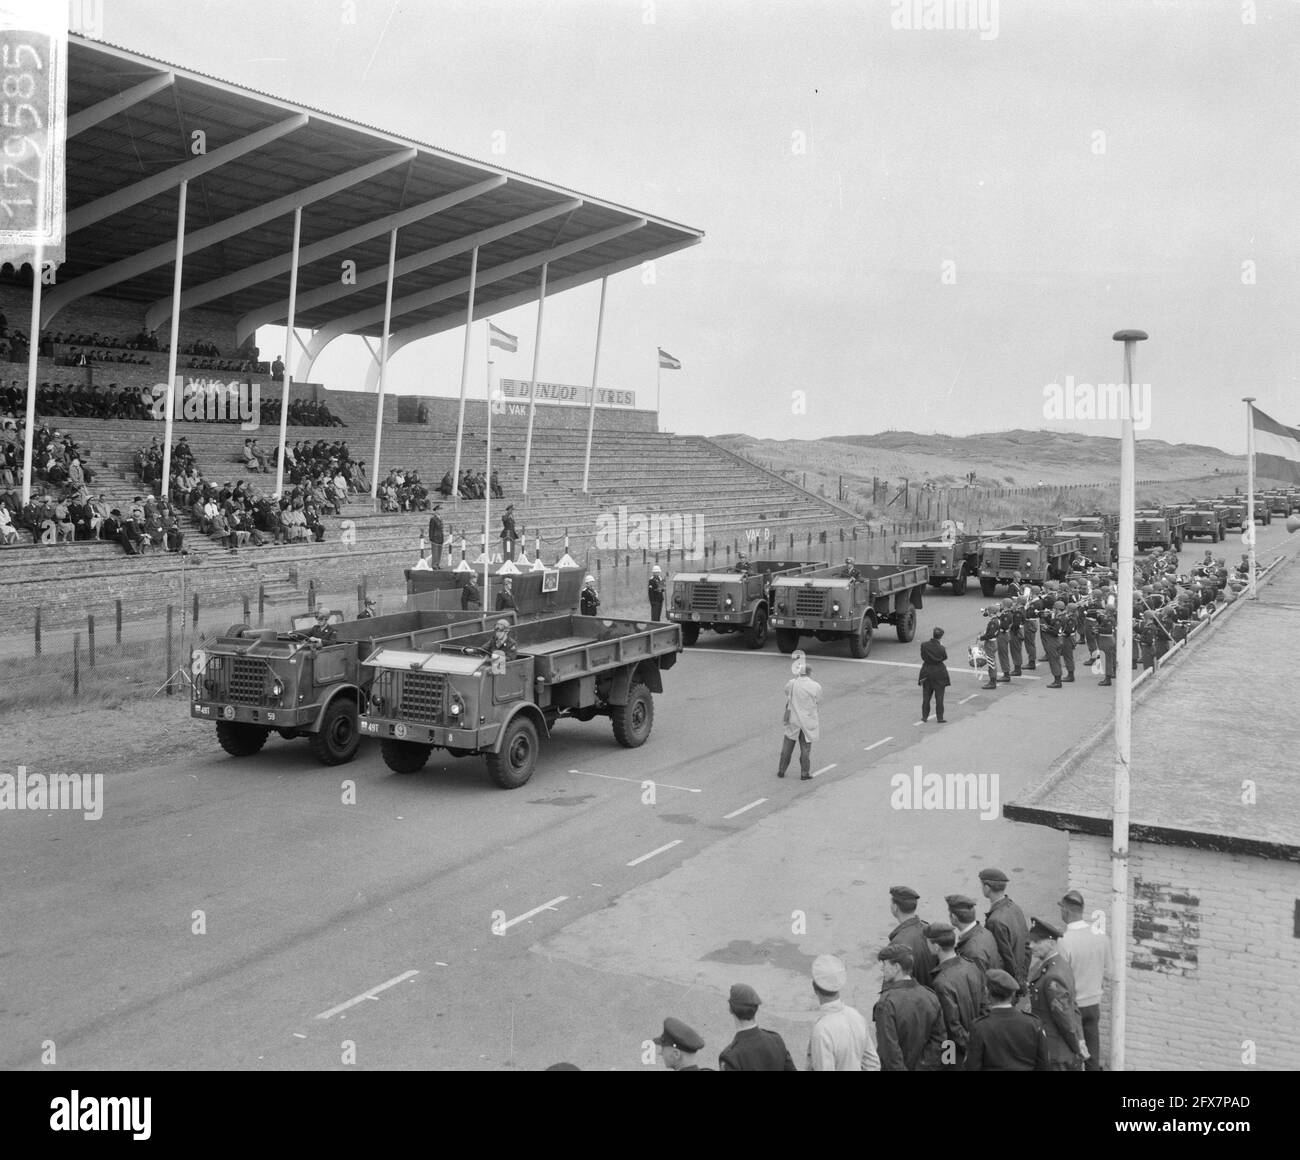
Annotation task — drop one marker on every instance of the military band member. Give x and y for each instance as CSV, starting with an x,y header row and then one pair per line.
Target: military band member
x,y
910,932
1050,628
1068,639
1004,640
1051,999
908,1019
990,642
1106,642
1017,634
1006,1039
959,985
1006,923
1033,613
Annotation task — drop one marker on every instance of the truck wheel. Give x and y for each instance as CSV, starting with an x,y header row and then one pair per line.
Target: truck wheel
x,y
404,756
633,721
787,640
988,585
339,737
690,634
238,629
514,765
756,633
860,642
959,584
906,628
240,739
1178,543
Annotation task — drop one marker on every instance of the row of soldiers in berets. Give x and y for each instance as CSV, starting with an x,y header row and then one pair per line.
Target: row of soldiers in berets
x,y
1083,607
1005,995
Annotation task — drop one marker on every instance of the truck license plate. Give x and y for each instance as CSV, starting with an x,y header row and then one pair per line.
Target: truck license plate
x,y
798,624
695,616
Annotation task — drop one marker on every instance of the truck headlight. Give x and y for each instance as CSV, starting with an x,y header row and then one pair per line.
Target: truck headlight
x,y
835,608
376,704
457,708
728,602
277,687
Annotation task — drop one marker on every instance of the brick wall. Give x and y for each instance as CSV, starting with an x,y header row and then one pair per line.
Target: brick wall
x,y
1213,957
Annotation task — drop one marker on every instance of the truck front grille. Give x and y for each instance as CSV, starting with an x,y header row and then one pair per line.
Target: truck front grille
x,y
923,556
424,696
1008,561
247,681
704,597
809,602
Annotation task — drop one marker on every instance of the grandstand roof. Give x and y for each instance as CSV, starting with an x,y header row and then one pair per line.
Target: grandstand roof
x,y
131,121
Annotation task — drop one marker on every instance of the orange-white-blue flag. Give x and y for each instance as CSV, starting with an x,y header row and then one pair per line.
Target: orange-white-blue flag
x,y
1277,449
667,362
498,337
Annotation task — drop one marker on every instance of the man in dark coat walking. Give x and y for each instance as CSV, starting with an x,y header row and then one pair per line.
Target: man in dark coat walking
x,y
436,536
934,676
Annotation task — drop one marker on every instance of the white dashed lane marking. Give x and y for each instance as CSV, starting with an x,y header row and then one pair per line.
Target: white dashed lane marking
x,y
646,857
505,926
877,744
742,809
636,780
370,994
824,769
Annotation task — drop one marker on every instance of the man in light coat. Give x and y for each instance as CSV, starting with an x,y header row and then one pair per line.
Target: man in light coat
x,y
802,695
841,1039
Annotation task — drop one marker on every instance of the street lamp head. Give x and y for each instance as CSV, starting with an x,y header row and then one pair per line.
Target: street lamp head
x,y
1129,336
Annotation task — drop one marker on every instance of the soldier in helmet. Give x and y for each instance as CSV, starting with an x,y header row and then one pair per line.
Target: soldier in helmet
x,y
1032,615
1106,639
1069,638
743,565
588,599
850,570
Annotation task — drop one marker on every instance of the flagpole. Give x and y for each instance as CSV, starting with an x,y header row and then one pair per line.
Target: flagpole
x,y
1123,711
659,382
595,375
1249,400
464,375
487,490
532,387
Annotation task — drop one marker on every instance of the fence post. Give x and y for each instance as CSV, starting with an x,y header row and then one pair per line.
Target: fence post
x,y
90,638
118,602
170,667
248,612
38,631
76,664
361,597
194,614
261,603
311,594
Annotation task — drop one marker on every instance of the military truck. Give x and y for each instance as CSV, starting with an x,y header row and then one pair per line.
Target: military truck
x,y
1098,536
1262,514
1205,518
1045,553
730,600
831,604
949,561
1279,501
253,682
1159,527
1235,511
455,696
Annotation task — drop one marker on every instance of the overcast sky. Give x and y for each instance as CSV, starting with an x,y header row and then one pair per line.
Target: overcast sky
x,y
918,228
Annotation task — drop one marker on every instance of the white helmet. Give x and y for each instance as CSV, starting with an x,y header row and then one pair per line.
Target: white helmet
x,y
589,579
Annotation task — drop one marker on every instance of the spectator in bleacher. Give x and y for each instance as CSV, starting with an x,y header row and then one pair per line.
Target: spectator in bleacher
x,y
111,528
222,530
82,516
496,485
444,487
175,537
182,456
463,486
254,459
8,533
311,514
9,465
241,531
99,512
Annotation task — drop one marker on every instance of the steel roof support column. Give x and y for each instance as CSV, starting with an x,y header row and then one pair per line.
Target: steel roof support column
x,y
173,388
288,338
383,363
464,375
532,387
595,375
33,352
